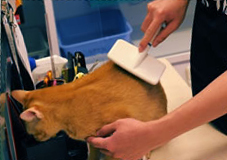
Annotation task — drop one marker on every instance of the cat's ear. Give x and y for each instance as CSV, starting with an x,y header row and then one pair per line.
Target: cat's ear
x,y
20,95
30,114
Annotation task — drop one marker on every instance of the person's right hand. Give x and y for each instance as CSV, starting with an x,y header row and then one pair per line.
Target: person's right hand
x,y
168,12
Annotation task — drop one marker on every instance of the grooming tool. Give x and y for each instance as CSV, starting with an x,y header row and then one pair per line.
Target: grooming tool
x,y
43,65
48,83
80,62
49,75
143,54
71,69
141,65
54,82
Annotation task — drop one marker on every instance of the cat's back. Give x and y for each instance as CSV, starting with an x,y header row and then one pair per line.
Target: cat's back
x,y
127,90
117,78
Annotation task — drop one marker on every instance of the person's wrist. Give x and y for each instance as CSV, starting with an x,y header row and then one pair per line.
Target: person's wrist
x,y
164,130
157,133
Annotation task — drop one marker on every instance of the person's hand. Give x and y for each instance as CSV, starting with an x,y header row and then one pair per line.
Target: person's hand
x,y
168,12
130,139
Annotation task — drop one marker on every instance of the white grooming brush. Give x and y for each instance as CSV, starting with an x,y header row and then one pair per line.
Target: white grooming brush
x,y
141,64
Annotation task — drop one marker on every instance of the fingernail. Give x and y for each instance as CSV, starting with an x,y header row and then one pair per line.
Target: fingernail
x,y
140,48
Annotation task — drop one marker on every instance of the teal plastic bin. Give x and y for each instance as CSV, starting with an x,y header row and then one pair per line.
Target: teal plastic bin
x,y
92,34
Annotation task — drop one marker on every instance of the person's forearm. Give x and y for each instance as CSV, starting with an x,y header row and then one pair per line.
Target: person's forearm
x,y
208,105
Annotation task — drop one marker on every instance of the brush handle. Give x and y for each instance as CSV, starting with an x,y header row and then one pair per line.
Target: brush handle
x,y
155,35
141,56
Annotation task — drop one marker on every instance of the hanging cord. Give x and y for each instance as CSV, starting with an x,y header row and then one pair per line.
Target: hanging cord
x,y
8,23
8,12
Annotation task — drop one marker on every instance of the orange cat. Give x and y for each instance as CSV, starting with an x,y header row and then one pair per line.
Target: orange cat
x,y
82,107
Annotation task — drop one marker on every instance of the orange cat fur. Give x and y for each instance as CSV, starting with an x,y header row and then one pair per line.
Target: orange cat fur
x,y
82,107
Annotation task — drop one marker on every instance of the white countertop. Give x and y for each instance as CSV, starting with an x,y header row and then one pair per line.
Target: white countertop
x,y
201,143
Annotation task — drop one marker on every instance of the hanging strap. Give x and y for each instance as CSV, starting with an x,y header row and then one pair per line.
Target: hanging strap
x,y
7,19
24,77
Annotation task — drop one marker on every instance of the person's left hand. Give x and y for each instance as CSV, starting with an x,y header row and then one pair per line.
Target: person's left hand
x,y
129,140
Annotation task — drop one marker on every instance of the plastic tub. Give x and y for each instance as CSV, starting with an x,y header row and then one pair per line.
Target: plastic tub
x,y
92,34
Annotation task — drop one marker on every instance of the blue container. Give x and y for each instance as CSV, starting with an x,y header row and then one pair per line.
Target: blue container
x,y
92,34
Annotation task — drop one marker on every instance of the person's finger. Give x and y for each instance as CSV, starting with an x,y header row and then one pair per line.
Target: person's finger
x,y
165,32
149,34
107,130
97,142
146,23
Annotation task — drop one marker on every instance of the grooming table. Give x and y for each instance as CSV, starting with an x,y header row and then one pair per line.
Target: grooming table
x,y
201,143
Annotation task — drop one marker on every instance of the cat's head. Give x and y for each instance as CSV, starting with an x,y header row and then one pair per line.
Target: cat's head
x,y
34,115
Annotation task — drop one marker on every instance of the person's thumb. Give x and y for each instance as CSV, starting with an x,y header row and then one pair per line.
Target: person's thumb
x,y
97,142
107,130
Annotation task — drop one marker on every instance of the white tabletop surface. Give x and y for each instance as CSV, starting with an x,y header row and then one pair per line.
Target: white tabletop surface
x,y
201,143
